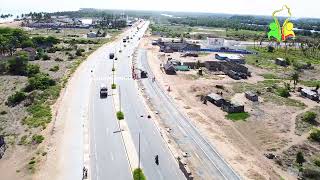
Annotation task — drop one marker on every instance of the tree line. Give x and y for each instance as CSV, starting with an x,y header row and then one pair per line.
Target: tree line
x,y
11,39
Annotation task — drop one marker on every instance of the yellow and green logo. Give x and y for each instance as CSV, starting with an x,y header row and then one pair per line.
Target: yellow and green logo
x,y
284,33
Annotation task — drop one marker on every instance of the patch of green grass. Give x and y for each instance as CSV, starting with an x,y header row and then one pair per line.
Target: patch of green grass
x,y
120,115
265,59
281,101
37,139
55,68
238,116
270,76
244,34
315,135
23,140
138,174
40,115
310,83
283,92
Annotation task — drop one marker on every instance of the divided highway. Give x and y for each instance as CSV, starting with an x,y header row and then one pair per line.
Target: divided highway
x,y
108,154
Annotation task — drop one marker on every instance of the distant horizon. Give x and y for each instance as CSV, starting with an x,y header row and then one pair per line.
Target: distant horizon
x,y
16,12
299,9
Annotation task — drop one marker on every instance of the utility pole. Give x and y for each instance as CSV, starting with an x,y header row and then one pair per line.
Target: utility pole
x,y
113,71
139,157
120,97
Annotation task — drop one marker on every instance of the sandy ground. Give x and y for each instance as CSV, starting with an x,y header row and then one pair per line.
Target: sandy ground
x,y
14,24
241,143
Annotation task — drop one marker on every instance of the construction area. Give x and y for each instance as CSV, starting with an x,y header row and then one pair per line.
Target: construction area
x,y
240,107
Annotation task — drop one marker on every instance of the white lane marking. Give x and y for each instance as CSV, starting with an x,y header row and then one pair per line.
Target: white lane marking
x,y
111,155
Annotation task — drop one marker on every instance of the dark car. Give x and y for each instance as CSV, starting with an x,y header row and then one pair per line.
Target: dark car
x,y
111,55
103,91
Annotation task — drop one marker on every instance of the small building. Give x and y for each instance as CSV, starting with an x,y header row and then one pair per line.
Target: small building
x,y
230,107
182,68
233,58
190,54
92,35
3,146
309,94
169,69
281,62
174,62
251,96
215,99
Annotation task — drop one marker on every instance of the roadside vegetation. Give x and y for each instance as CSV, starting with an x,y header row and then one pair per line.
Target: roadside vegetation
x,y
138,174
120,115
34,67
238,116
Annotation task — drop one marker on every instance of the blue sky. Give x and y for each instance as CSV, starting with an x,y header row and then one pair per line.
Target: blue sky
x,y
300,8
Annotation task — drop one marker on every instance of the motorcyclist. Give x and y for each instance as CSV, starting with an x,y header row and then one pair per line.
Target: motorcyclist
x,y
156,159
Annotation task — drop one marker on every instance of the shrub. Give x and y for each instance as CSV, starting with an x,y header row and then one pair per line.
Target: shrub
x,y
113,86
78,52
120,115
311,172
315,135
300,158
37,57
32,162
18,64
40,81
309,116
138,174
33,69
238,116
46,57
283,92
3,112
58,59
54,68
23,140
37,139
16,98
3,67
27,43
40,115
71,56
317,162
113,69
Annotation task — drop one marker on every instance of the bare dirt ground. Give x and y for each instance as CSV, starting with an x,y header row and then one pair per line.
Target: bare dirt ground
x,y
14,24
269,129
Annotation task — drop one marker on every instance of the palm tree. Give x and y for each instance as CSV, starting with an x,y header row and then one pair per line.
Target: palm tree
x,y
295,78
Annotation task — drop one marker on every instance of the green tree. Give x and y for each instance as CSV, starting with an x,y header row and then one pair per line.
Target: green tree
x,y
315,135
16,98
18,64
138,174
27,43
40,81
295,78
300,158
33,69
309,116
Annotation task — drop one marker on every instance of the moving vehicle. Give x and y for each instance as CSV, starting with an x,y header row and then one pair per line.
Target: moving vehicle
x,y
156,159
103,91
111,55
